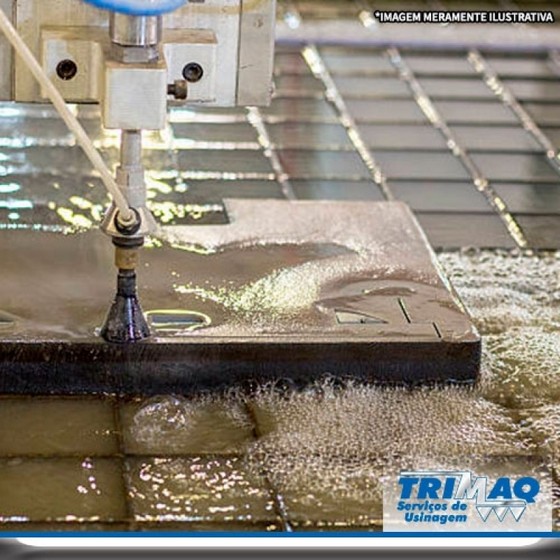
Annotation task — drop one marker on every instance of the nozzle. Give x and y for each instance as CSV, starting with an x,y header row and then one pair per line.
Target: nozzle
x,y
125,321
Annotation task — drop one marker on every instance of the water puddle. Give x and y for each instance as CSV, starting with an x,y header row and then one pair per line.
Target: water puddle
x,y
197,489
61,489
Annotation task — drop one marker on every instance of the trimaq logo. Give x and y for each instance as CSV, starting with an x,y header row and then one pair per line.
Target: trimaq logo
x,y
459,500
505,496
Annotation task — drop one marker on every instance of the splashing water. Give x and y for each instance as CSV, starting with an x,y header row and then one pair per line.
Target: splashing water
x,y
327,450
176,425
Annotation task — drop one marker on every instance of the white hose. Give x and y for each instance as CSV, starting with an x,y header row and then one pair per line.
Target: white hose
x,y
71,121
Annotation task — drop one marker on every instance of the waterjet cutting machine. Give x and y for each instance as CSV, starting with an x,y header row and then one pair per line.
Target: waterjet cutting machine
x,y
135,57
286,290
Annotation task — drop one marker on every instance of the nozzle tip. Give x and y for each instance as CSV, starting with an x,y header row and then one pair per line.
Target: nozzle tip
x,y
125,321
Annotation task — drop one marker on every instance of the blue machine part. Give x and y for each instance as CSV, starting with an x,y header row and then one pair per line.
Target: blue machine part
x,y
139,7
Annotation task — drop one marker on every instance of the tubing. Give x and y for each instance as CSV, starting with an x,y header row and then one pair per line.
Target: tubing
x,y
71,121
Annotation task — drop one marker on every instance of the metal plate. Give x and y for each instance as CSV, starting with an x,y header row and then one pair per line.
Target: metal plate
x,y
286,290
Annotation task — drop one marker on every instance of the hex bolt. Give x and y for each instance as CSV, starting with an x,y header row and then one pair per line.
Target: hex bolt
x,y
178,89
131,227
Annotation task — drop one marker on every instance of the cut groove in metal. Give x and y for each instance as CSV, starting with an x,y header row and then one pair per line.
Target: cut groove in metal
x,y
345,317
404,310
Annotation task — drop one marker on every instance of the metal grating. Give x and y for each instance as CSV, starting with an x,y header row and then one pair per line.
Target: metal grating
x,y
469,139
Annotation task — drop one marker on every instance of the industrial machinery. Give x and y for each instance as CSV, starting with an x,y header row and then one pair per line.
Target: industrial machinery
x,y
303,289
134,57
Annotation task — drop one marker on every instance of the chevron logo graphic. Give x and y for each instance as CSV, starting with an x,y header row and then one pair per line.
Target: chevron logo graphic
x,y
500,510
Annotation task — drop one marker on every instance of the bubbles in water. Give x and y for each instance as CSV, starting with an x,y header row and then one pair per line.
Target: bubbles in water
x,y
515,300
523,366
163,417
504,289
497,308
543,424
273,293
179,425
370,421
328,451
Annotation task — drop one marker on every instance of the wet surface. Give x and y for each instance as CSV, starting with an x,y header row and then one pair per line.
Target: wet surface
x,y
203,427
342,439
216,489
207,463
323,276
61,490
77,428
209,154
272,262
